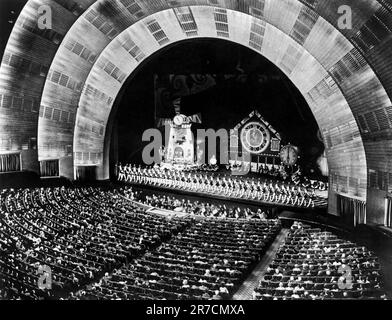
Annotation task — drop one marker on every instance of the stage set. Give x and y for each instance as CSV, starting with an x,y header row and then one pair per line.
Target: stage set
x,y
252,135
269,175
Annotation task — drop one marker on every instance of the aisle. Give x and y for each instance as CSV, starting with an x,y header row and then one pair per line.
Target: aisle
x,y
246,289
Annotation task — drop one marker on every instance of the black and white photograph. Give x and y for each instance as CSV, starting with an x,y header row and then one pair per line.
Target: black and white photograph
x,y
196,158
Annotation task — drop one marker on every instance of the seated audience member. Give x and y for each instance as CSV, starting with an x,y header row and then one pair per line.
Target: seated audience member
x,y
319,278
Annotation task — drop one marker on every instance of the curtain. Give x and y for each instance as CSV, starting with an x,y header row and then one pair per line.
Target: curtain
x,y
352,209
359,212
86,173
388,212
50,168
9,162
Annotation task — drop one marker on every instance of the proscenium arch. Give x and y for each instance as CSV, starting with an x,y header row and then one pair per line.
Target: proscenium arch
x,y
333,48
305,72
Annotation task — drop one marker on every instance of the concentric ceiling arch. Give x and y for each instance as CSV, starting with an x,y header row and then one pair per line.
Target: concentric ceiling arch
x,y
63,94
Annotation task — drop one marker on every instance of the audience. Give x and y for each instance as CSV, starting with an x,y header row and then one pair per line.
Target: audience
x,y
94,243
78,233
316,265
194,207
208,260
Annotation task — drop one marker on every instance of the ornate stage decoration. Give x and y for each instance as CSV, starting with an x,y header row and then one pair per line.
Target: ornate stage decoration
x,y
289,155
180,148
256,136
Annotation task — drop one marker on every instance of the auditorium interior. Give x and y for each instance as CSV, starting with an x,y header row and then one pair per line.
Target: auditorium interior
x,y
195,150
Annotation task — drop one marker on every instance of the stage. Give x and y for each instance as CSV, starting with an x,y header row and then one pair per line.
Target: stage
x,y
321,208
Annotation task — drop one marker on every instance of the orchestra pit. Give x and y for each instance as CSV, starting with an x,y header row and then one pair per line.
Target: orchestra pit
x,y
195,150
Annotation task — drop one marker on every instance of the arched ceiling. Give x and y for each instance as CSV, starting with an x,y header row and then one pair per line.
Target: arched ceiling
x,y
300,66
64,93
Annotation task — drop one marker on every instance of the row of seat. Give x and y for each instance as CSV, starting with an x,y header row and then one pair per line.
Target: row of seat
x,y
314,264
208,260
76,234
194,207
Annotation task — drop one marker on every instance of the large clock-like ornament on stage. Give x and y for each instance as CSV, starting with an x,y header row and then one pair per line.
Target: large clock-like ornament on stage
x,y
289,155
255,137
179,120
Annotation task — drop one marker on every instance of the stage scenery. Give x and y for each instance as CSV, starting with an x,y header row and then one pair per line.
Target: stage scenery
x,y
195,150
